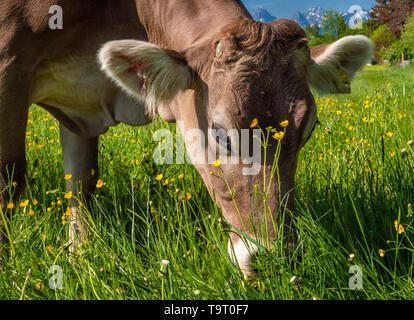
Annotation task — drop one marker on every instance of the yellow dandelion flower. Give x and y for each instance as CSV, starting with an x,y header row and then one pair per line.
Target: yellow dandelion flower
x,y
159,177
14,183
279,135
31,213
100,184
24,204
284,124
35,202
69,195
10,205
39,286
388,134
216,163
188,195
181,176
68,177
254,123
68,211
381,252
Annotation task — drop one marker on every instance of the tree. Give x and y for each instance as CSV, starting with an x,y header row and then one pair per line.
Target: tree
x,y
364,30
334,27
312,31
405,45
393,13
407,37
382,38
321,39
333,23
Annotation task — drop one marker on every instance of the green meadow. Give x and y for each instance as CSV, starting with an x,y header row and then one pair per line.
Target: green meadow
x,y
353,196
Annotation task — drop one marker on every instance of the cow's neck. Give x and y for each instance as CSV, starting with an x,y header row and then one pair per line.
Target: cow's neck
x,y
181,24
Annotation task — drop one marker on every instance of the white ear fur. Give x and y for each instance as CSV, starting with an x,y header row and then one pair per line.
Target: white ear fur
x,y
340,61
145,71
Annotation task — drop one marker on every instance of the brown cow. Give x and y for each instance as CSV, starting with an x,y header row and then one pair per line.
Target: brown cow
x,y
203,64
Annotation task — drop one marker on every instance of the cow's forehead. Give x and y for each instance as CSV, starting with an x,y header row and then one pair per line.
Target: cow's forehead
x,y
255,35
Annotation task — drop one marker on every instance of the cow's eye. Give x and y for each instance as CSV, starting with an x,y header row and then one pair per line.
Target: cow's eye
x,y
221,136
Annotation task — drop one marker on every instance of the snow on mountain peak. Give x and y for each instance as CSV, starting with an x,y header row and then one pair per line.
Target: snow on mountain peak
x,y
262,15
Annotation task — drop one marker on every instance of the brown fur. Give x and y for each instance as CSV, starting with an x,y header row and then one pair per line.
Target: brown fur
x,y
317,51
264,43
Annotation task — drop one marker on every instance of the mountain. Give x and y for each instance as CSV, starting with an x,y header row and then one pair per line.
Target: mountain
x,y
314,15
300,19
262,15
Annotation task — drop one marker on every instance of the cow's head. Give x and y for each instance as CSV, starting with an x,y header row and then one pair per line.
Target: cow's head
x,y
250,70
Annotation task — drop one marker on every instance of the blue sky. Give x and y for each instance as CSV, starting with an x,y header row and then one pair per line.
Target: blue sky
x,y
286,8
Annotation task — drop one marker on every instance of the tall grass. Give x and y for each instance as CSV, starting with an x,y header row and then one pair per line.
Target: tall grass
x,y
354,182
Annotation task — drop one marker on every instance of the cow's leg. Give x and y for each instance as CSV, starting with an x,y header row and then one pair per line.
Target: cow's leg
x,y
12,160
14,107
80,156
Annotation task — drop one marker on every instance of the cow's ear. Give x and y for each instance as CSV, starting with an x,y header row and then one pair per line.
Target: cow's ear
x,y
146,71
333,66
